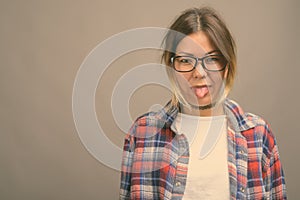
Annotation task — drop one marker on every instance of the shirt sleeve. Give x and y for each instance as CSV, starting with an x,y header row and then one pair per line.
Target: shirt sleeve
x,y
274,176
126,167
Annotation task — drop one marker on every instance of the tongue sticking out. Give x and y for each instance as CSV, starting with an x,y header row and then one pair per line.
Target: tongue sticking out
x,y
201,91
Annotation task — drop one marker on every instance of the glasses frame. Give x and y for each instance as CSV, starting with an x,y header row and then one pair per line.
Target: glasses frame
x,y
197,61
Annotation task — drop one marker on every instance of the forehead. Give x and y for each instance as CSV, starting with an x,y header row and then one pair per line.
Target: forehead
x,y
197,44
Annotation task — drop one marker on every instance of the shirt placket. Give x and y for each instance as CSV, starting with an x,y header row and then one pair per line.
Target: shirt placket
x,y
237,164
181,170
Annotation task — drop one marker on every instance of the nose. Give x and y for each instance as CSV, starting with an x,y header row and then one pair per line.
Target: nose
x,y
199,71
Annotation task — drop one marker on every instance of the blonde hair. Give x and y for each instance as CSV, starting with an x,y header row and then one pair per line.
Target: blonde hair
x,y
191,21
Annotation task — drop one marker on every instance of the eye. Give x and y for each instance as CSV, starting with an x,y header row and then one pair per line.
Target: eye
x,y
212,59
185,60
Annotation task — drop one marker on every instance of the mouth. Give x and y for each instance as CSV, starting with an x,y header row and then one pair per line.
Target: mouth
x,y
201,90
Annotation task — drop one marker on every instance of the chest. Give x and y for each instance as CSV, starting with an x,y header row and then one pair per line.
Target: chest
x,y
162,165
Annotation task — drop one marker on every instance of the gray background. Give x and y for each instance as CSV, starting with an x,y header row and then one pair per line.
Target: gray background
x,y
43,44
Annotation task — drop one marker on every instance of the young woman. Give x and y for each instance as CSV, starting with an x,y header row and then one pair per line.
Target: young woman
x,y
201,145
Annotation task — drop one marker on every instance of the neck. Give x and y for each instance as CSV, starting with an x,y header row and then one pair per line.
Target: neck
x,y
205,111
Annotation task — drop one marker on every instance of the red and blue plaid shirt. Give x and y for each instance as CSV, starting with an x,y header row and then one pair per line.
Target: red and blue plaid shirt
x,y
155,159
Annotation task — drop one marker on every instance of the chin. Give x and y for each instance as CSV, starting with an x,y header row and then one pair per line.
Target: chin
x,y
201,102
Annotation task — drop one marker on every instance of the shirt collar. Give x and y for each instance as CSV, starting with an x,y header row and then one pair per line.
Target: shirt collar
x,y
238,120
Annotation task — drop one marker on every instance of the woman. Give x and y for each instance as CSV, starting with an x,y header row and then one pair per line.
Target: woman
x,y
201,145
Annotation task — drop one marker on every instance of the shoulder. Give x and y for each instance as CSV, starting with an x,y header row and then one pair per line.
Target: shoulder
x,y
153,122
255,128
262,131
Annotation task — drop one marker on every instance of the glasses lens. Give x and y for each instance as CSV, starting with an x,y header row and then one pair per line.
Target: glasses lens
x,y
214,62
184,63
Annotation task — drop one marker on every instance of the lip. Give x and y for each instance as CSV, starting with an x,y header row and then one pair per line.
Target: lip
x,y
201,86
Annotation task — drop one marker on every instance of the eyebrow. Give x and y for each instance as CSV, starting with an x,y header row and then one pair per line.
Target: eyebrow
x,y
208,53
213,51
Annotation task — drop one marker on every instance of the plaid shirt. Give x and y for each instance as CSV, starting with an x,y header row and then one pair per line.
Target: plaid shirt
x,y
155,159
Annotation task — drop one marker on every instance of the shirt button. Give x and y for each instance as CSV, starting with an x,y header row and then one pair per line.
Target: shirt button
x,y
242,189
177,184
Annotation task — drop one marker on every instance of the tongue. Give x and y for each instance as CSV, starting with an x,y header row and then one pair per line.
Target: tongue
x,y
201,91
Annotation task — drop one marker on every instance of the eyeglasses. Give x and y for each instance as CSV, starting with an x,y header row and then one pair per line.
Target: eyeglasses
x,y
212,63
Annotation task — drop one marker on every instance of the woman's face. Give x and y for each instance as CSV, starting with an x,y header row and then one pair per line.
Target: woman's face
x,y
199,86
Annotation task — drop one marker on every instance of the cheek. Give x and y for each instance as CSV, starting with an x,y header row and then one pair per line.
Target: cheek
x,y
217,78
183,81
183,78
187,76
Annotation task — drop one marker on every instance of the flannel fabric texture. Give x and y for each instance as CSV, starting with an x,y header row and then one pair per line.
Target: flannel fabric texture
x,y
155,159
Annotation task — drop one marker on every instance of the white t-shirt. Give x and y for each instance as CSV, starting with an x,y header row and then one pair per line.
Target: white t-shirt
x,y
207,176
